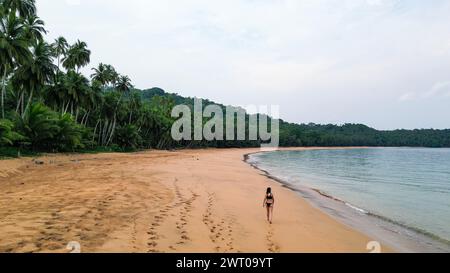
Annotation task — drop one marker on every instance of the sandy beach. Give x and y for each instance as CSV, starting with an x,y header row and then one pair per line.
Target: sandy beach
x,y
158,201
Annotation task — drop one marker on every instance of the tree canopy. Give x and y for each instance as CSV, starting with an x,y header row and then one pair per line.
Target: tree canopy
x,y
48,105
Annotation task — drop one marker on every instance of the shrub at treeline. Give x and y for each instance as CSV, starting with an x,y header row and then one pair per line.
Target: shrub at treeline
x,y
48,105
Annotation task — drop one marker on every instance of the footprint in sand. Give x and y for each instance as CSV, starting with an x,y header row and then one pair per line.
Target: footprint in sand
x,y
272,247
180,208
223,242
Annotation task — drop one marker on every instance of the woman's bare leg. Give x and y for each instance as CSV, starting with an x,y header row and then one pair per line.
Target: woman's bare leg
x,y
268,213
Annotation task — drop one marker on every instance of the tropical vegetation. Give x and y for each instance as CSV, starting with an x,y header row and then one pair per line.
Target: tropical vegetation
x,y
48,105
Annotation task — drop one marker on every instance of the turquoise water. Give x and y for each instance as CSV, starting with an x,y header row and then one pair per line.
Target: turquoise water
x,y
408,186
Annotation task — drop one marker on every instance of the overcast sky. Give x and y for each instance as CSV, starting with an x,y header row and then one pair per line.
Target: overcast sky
x,y
385,63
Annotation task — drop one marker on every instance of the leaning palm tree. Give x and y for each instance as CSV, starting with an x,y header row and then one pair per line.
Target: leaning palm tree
x,y
114,77
34,28
134,104
60,47
55,95
101,75
23,8
105,74
14,48
77,56
77,87
91,101
33,75
123,84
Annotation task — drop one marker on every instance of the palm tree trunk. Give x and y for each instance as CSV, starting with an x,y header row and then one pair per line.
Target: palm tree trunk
x,y
108,132
104,131
76,115
22,103
87,117
118,103
57,72
95,130
82,119
19,107
112,132
99,133
29,102
18,102
66,107
3,92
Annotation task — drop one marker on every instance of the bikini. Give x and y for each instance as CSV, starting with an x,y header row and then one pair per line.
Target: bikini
x,y
269,197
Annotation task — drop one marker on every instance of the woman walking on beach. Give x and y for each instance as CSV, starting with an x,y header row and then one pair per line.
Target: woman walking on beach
x,y
269,202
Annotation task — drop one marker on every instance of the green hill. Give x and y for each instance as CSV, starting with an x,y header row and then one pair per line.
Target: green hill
x,y
48,105
311,134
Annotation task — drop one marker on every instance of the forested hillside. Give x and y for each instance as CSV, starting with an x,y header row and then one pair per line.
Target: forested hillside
x,y
47,105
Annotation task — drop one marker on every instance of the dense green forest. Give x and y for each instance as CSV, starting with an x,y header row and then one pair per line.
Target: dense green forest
x,y
48,105
292,134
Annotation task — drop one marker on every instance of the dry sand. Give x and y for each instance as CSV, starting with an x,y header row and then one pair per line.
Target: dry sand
x,y
158,201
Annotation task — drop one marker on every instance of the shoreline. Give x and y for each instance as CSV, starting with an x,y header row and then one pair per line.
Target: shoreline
x,y
159,201
397,236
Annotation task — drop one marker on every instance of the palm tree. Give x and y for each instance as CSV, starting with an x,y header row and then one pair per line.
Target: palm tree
x,y
55,95
34,28
33,75
39,125
77,56
91,101
108,114
14,48
7,134
134,104
45,129
123,84
69,134
113,76
77,87
60,47
23,8
105,74
101,75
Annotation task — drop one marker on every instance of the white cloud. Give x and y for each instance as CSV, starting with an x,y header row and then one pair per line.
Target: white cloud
x,y
439,88
311,56
408,96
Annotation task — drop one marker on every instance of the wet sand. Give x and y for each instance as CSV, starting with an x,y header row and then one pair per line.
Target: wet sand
x,y
158,201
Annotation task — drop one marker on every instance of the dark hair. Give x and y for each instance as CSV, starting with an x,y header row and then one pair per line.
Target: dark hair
x,y
269,191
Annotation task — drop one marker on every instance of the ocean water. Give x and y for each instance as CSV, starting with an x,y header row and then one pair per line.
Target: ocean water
x,y
409,187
